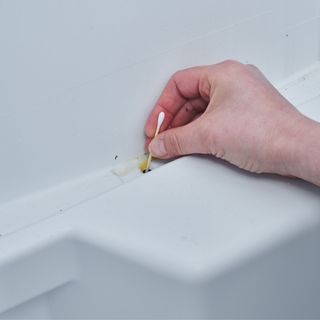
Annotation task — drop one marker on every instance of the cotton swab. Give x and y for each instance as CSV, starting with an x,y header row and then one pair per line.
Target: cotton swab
x,y
159,124
160,121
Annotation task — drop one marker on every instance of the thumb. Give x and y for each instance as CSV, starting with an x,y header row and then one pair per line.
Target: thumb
x,y
179,141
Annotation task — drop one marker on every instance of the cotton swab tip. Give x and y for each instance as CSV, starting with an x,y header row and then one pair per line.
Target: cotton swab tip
x,y
160,120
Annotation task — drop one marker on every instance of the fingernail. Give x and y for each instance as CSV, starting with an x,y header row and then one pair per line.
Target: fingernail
x,y
157,148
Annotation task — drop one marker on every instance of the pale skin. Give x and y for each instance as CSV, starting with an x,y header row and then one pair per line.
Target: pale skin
x,y
231,111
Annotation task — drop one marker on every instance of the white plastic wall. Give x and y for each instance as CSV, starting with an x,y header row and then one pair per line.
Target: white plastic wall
x,y
77,81
78,78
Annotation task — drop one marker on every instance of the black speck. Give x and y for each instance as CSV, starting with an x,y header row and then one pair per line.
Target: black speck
x,y
287,35
60,210
116,157
145,171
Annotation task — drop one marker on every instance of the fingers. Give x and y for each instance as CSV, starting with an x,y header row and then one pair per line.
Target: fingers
x,y
184,85
181,120
179,141
188,111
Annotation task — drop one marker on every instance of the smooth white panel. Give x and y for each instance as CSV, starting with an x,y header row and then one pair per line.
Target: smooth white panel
x,y
78,78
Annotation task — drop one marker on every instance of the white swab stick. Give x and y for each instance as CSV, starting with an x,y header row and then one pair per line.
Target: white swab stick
x,y
160,121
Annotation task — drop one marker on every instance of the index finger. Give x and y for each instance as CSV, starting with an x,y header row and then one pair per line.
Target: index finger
x,y
183,85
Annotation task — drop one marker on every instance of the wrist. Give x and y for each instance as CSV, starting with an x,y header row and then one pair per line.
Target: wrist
x,y
302,151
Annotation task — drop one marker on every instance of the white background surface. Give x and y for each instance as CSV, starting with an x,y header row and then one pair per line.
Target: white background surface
x,y
77,81
78,78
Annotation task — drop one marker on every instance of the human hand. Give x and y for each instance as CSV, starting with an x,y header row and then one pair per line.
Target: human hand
x,y
229,110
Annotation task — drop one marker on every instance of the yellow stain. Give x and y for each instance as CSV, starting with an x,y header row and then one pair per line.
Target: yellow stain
x,y
143,166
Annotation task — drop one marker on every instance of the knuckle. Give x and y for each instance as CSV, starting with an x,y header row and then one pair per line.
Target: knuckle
x,y
230,69
232,65
176,75
252,67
